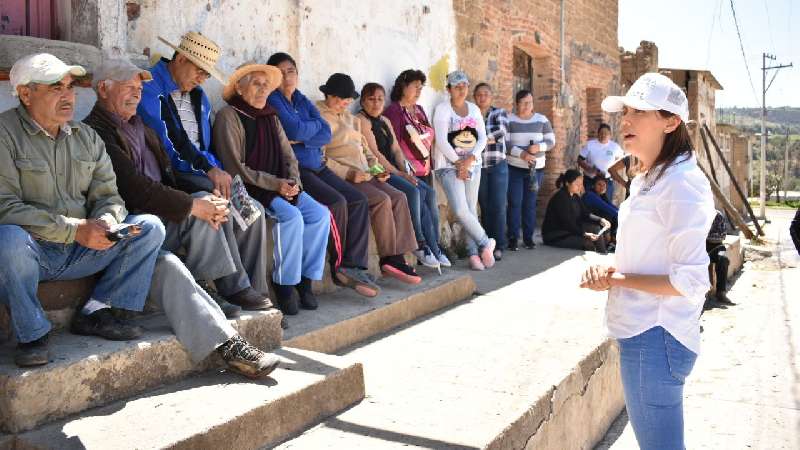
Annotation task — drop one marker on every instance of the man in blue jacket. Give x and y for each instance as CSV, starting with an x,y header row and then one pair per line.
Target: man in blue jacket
x,y
174,105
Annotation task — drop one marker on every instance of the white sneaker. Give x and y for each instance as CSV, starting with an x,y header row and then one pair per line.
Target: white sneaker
x,y
443,260
426,258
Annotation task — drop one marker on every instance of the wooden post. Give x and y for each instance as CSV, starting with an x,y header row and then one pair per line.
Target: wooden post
x,y
735,183
726,204
711,165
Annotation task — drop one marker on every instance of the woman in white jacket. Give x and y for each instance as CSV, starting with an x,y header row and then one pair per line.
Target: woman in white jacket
x,y
659,280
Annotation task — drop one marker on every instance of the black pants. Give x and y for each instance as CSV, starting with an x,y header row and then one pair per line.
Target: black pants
x,y
577,241
718,257
350,211
794,230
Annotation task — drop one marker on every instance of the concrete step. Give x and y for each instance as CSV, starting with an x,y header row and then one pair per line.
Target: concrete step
x,y
215,410
345,318
86,372
526,364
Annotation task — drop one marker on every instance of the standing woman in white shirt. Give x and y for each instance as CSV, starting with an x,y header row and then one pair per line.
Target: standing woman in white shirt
x,y
597,157
458,164
660,277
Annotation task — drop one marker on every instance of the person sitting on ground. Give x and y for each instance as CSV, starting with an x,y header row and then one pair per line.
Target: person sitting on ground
x,y
349,157
717,254
459,167
530,137
60,214
178,110
493,192
250,141
308,132
146,183
382,142
567,221
598,156
598,203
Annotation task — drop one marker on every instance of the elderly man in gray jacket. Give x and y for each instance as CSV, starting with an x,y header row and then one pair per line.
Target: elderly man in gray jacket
x,y
196,319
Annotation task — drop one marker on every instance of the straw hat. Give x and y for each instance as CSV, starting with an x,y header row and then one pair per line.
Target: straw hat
x,y
201,51
274,77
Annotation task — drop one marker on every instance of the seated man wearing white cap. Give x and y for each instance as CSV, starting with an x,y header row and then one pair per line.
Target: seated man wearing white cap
x,y
146,183
174,105
61,217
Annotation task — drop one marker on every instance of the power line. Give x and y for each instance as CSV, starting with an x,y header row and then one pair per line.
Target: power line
x,y
741,46
714,14
769,26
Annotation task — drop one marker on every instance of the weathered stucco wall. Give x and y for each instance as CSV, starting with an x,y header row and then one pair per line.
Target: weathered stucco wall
x,y
370,41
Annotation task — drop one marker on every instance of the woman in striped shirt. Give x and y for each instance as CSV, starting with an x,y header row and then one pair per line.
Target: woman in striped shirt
x,y
530,135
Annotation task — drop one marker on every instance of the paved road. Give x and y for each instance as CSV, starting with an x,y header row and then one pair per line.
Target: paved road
x,y
744,392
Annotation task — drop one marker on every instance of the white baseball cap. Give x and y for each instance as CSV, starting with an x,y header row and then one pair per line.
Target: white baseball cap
x,y
651,92
41,68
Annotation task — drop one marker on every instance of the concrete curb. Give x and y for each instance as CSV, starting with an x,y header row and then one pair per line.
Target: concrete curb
x,y
93,372
345,333
215,410
575,414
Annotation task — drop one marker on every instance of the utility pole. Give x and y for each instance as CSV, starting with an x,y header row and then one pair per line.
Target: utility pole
x,y
762,188
786,167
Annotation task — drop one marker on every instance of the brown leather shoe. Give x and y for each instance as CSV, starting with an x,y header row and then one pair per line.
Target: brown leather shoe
x,y
249,299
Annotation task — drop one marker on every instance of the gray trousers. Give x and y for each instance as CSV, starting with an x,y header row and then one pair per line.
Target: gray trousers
x,y
195,318
234,259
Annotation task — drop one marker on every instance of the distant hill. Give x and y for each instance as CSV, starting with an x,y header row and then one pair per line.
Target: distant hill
x,y
749,119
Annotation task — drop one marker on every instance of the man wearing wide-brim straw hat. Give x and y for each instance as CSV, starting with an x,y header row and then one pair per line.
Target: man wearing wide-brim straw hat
x,y
177,108
251,142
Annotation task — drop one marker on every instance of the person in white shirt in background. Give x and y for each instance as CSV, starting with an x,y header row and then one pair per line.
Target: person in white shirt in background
x,y
597,157
658,283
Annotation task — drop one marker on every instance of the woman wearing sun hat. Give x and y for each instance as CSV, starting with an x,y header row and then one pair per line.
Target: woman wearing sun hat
x,y
250,141
659,278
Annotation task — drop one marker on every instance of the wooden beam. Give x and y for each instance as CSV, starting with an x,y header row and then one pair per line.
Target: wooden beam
x,y
726,204
735,183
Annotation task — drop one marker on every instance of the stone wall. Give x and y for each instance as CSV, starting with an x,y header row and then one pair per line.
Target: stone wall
x,y
488,33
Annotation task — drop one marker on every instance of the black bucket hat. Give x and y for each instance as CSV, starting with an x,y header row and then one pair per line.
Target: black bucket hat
x,y
340,85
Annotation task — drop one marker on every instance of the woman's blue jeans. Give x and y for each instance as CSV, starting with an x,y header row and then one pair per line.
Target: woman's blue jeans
x,y
492,196
423,208
654,367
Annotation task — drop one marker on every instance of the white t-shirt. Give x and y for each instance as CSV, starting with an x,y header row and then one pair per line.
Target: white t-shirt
x,y
602,156
662,231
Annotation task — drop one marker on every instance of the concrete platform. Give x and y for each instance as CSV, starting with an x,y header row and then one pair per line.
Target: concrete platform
x,y
215,411
345,318
525,364
87,372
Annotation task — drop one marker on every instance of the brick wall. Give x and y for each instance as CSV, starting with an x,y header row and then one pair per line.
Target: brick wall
x,y
489,30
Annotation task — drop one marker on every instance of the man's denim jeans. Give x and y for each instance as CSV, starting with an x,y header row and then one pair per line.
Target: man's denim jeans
x,y
654,367
24,262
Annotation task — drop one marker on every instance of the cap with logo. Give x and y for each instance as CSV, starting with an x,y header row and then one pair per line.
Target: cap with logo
x,y
457,77
651,92
118,69
42,68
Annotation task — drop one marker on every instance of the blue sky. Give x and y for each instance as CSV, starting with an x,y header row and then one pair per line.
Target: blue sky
x,y
700,34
